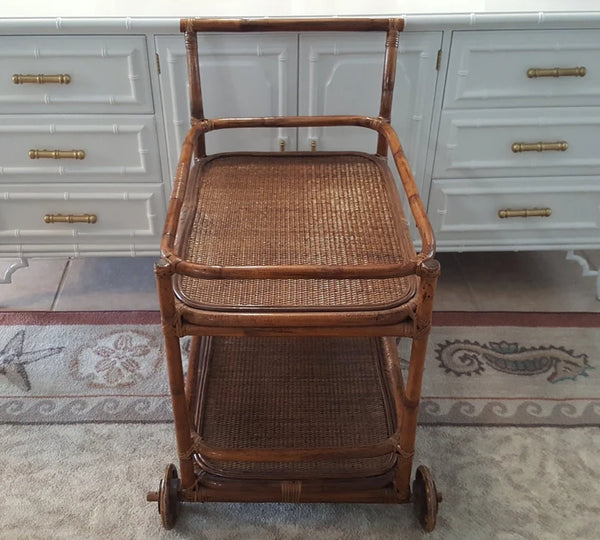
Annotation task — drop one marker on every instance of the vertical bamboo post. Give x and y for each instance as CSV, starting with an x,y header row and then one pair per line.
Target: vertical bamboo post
x,y
196,105
389,78
164,274
429,272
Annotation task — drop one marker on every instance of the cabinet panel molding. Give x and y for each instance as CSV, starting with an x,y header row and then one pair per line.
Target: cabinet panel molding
x,y
498,69
341,74
113,148
105,74
242,76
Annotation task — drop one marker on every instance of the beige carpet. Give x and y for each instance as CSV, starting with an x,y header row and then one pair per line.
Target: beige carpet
x,y
90,481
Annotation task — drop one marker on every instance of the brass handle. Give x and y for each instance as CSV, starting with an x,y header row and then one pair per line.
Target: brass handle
x,y
313,145
70,218
18,78
57,154
282,145
534,73
560,146
527,212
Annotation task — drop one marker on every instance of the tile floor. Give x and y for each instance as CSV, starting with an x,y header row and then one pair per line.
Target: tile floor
x,y
526,281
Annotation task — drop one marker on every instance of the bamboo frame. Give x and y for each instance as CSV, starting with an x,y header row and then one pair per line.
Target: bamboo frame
x,y
411,319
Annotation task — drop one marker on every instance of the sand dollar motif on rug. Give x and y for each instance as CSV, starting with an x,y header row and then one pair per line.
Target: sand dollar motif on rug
x,y
118,358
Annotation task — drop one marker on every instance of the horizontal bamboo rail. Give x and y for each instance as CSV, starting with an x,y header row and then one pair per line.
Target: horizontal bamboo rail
x,y
347,24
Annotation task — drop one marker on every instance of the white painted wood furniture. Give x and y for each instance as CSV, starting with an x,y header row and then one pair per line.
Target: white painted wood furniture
x,y
79,161
517,159
497,105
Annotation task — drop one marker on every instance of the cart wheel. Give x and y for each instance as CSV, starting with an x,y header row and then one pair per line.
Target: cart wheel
x,y
425,498
168,497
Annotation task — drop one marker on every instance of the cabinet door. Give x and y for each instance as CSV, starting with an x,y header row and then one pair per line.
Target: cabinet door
x,y
245,75
341,74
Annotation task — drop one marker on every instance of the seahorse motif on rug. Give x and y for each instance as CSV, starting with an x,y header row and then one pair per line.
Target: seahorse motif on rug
x,y
13,360
463,357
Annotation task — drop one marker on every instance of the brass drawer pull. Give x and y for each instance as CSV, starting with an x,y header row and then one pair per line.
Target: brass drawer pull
x,y
527,212
282,145
313,145
56,154
560,146
70,218
18,78
534,73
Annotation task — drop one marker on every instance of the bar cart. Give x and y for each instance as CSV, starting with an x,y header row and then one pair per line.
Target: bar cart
x,y
295,274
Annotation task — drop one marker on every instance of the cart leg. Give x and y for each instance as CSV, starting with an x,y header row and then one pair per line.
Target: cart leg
x,y
164,273
429,272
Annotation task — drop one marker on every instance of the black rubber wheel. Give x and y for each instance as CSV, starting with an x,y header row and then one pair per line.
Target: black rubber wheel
x,y
168,497
425,498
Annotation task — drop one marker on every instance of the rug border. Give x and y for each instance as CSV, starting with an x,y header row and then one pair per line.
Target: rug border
x,y
47,318
530,319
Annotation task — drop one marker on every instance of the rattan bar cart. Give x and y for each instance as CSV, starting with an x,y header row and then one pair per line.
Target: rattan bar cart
x,y
295,274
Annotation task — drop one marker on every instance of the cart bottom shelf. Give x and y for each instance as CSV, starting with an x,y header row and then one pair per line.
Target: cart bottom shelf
x,y
283,397
295,394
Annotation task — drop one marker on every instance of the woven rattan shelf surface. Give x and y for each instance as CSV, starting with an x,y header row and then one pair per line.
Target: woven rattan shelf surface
x,y
296,393
294,209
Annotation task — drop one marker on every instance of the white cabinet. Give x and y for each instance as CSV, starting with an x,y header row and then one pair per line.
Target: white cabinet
x,y
341,74
243,75
309,74
80,169
473,102
516,162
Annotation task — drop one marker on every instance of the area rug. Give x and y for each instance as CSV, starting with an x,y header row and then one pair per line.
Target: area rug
x,y
519,369
89,481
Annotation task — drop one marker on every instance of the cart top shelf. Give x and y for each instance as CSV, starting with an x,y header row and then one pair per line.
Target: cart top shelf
x,y
282,210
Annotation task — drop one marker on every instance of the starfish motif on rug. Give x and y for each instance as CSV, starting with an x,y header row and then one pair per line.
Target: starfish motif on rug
x,y
13,360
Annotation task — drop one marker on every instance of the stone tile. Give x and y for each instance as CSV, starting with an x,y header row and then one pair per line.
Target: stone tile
x,y
453,291
31,288
528,281
108,283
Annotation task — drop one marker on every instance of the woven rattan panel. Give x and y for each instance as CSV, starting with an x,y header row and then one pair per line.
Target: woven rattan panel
x,y
296,393
294,209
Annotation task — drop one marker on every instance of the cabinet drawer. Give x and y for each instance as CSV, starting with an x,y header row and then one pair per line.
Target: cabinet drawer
x,y
106,74
111,216
490,69
466,212
480,143
115,149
